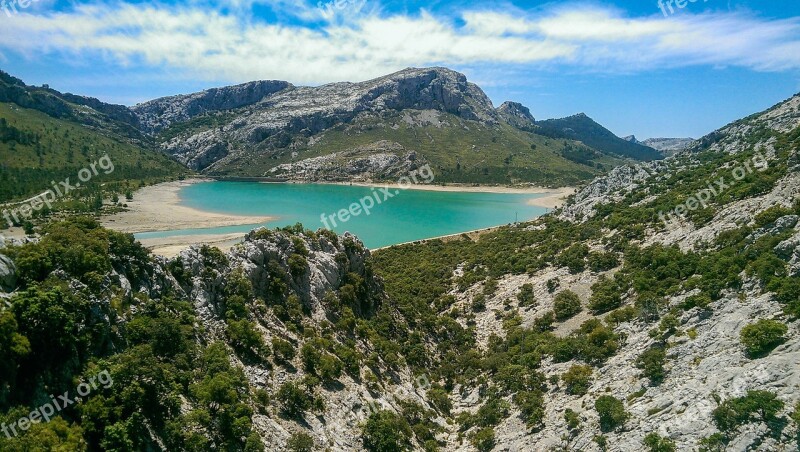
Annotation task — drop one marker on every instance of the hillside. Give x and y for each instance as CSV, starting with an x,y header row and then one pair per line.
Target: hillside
x,y
46,136
271,128
584,129
599,327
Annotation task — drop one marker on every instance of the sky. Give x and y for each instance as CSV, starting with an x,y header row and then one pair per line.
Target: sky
x,y
669,68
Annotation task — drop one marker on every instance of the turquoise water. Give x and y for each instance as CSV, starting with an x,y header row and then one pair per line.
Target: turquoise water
x,y
407,216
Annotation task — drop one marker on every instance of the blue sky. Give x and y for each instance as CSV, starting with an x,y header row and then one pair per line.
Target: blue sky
x,y
635,67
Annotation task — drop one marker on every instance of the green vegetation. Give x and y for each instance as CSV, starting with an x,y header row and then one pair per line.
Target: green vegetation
x,y
761,337
756,405
577,379
463,151
612,413
566,304
656,443
652,364
385,431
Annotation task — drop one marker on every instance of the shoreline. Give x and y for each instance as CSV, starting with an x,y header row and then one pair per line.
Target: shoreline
x,y
554,197
157,208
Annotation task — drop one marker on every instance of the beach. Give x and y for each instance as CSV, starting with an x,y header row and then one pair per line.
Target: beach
x,y
158,208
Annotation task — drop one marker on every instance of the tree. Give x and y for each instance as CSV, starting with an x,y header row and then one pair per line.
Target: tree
x,y
762,337
483,439
611,411
385,431
283,350
300,442
658,444
577,379
566,304
293,399
741,410
652,363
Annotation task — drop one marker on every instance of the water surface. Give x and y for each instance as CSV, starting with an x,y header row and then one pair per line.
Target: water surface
x,y
406,216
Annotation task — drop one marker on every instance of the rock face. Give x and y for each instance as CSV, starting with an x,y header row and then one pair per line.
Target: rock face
x,y
157,114
272,114
8,274
517,115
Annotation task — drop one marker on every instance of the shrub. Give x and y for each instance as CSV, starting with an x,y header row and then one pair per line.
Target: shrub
x,y
652,363
293,399
762,337
658,444
531,403
566,304
611,411
606,295
526,296
300,442
545,322
483,439
741,410
386,431
577,379
283,350
600,262
572,419
440,399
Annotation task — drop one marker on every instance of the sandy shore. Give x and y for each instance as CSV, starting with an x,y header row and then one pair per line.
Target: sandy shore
x,y
157,208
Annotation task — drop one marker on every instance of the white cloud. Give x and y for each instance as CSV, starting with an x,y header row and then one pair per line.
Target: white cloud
x,y
357,41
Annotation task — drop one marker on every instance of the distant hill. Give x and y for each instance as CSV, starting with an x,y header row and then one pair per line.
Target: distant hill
x,y
48,136
583,128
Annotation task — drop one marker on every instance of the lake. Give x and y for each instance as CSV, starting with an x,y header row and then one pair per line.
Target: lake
x,y
395,216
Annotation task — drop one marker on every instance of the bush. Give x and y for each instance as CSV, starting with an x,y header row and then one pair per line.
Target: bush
x,y
283,350
600,262
293,399
577,379
385,431
658,444
611,411
300,442
762,337
526,296
566,304
531,403
483,439
606,295
742,410
652,364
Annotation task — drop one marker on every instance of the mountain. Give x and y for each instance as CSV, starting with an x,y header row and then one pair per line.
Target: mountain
x,y
668,146
388,125
584,129
652,312
47,136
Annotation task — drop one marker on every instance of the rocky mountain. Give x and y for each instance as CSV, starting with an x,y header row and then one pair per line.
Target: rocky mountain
x,y
265,128
667,146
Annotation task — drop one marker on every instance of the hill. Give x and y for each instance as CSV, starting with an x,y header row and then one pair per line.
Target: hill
x,y
652,312
584,129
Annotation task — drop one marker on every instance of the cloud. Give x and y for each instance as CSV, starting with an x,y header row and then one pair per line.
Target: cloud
x,y
355,40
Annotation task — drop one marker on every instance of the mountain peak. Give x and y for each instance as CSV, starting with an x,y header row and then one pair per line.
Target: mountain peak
x,y
516,114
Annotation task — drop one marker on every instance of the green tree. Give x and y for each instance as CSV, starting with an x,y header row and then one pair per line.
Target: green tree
x,y
762,337
651,361
577,379
300,442
385,431
655,443
611,411
566,304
